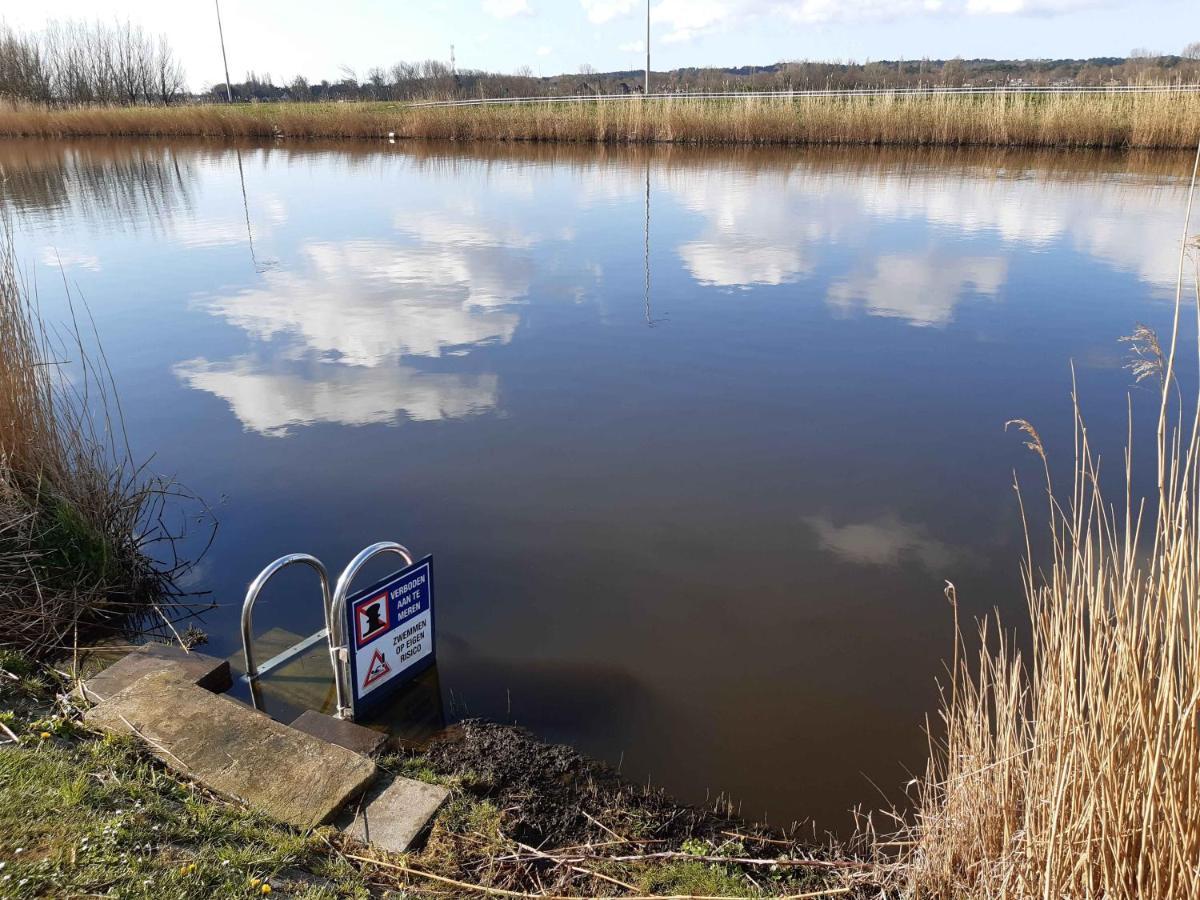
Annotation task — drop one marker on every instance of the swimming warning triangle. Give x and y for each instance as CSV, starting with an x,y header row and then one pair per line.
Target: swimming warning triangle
x,y
378,669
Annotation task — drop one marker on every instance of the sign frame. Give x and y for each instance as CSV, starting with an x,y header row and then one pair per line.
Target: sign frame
x,y
403,675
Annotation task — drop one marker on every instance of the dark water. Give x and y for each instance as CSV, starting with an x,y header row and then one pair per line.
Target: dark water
x,y
693,489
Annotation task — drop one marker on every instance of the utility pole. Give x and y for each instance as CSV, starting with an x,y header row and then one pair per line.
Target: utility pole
x,y
224,59
453,71
647,91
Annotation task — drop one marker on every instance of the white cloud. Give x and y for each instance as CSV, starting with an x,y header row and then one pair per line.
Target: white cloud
x,y
56,258
507,9
921,288
688,19
272,402
632,47
885,541
544,51
601,11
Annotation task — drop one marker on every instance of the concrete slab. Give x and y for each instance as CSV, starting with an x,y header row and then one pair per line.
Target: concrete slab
x,y
338,731
391,817
283,773
206,672
305,682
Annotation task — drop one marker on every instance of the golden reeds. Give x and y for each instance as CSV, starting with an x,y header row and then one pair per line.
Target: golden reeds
x,y
1074,771
1116,120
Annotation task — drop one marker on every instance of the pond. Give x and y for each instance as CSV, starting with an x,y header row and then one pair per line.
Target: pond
x,y
696,437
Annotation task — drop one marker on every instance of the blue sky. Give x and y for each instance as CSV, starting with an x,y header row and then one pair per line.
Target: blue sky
x,y
284,37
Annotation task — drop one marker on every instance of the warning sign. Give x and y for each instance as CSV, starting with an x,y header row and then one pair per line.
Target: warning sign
x,y
392,625
378,669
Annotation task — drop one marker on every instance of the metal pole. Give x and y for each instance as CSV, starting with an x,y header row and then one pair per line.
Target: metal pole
x,y
224,59
647,91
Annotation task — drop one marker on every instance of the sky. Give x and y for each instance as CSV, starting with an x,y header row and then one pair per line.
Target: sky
x,y
289,37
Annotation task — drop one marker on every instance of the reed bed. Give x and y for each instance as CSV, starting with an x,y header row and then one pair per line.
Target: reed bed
x,y
1074,770
79,522
1104,120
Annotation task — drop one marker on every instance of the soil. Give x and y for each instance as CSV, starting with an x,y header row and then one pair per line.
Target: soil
x,y
553,796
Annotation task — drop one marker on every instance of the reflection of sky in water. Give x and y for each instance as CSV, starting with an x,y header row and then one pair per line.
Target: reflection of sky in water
x,y
694,546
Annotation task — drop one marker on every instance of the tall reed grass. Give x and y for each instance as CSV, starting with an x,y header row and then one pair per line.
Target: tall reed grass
x,y
78,519
1073,771
1149,120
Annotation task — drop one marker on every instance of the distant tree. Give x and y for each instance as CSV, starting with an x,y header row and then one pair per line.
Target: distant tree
x,y
1191,51
954,72
587,69
299,88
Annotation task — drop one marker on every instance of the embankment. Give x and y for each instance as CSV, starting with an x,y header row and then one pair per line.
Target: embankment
x,y
1002,119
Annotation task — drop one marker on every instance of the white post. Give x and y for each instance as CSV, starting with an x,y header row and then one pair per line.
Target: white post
x,y
647,91
224,59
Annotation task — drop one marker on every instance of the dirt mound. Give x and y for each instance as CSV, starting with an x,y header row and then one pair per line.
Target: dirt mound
x,y
552,796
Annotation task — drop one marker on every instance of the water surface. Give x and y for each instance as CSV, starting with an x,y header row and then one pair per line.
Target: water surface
x,y
696,437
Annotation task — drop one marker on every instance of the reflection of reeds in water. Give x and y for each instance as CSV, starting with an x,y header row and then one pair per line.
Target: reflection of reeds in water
x,y
1075,772
1001,119
78,520
106,183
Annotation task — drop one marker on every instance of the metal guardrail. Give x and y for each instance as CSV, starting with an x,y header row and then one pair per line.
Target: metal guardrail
x,y
256,586
334,632
339,645
820,93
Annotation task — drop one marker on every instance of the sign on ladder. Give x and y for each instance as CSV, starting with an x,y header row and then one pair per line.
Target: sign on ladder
x,y
391,629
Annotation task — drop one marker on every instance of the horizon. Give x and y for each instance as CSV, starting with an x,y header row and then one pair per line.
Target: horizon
x,y
271,38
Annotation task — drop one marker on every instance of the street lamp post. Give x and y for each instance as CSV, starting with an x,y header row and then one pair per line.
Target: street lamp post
x,y
647,91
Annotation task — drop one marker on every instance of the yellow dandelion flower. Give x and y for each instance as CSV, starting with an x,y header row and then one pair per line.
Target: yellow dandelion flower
x,y
255,882
266,888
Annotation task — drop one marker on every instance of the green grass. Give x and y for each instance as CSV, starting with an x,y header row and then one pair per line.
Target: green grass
x,y
82,816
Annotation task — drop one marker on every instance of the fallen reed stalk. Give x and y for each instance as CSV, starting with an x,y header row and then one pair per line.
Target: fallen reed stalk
x,y
79,521
1109,120
1074,770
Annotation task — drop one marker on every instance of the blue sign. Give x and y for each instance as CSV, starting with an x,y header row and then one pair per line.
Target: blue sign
x,y
391,633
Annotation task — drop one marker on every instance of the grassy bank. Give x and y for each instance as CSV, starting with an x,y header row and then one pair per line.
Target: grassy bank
x,y
1146,120
83,815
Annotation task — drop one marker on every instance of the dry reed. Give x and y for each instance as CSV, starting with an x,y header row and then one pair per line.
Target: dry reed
x,y
1073,770
1113,120
78,520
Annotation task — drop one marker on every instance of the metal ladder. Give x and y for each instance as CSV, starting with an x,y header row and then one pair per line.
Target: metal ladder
x,y
334,632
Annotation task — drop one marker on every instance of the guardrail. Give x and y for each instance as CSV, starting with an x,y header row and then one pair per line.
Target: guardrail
x,y
829,93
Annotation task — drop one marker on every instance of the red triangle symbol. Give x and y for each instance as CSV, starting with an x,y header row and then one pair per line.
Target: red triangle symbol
x,y
377,670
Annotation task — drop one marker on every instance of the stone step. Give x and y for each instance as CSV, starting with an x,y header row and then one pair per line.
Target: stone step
x,y
346,734
206,672
286,774
393,816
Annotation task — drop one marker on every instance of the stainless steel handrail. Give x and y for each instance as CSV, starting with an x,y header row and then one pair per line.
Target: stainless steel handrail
x,y
338,643
257,585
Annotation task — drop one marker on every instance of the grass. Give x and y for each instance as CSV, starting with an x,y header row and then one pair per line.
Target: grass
x,y
77,517
1074,770
84,815
1144,120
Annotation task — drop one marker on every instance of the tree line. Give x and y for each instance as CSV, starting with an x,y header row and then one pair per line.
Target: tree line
x,y
89,62
433,79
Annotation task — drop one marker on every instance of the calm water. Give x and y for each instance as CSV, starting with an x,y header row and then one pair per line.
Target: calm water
x,y
695,437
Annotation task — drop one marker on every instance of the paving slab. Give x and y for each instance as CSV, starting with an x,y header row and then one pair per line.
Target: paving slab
x,y
286,774
392,816
346,734
206,672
